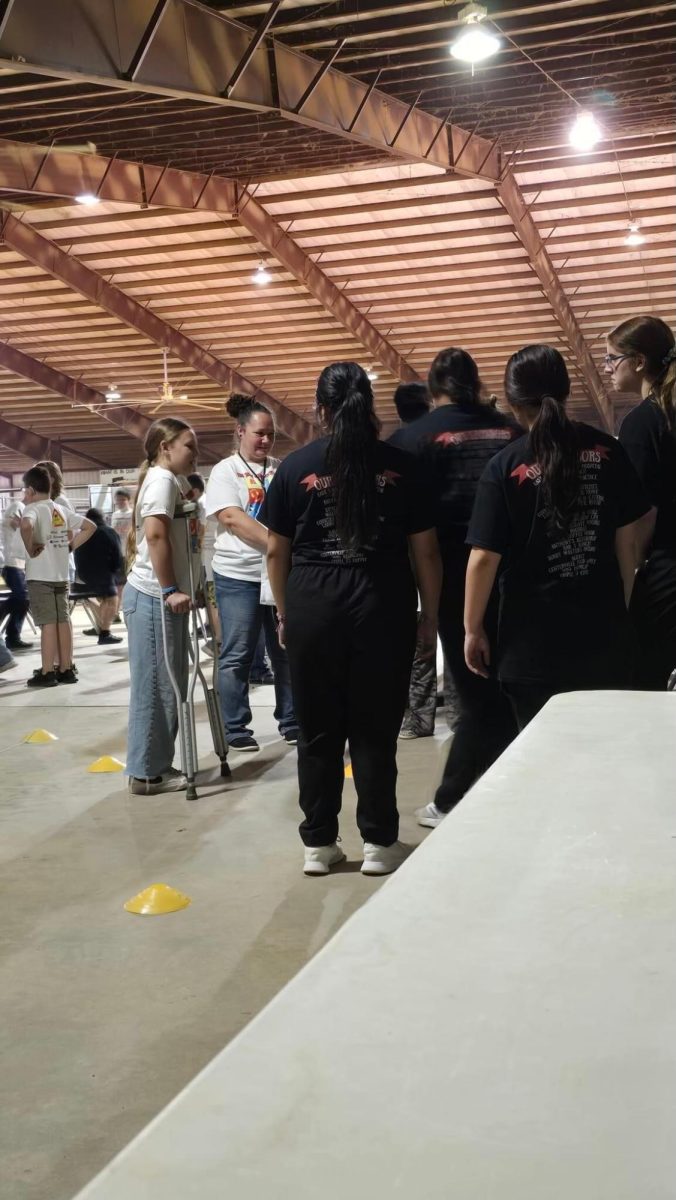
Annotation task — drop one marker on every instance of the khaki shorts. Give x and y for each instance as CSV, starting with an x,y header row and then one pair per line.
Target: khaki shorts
x,y
48,601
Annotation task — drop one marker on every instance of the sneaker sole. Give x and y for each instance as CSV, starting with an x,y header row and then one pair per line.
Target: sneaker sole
x,y
244,749
376,868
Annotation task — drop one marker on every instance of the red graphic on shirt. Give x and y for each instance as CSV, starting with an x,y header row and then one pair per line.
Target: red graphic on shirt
x,y
317,483
473,435
524,472
389,477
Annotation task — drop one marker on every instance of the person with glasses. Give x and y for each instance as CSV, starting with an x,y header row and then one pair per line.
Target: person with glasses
x,y
641,361
234,495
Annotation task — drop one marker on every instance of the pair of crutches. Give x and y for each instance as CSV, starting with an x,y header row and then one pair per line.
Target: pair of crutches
x,y
187,730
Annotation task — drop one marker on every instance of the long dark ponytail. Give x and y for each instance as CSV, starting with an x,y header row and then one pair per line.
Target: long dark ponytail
x,y
537,380
345,397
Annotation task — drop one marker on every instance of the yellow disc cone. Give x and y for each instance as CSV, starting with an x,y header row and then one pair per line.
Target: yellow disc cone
x,y
348,771
157,899
105,765
40,737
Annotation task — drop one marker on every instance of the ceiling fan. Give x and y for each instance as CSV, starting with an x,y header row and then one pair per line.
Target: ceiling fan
x,y
169,398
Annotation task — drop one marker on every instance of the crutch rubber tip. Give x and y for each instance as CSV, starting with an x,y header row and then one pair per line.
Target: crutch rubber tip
x,y
225,771
191,792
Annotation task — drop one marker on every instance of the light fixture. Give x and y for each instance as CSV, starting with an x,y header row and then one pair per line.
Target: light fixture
x,y
475,44
634,237
112,394
586,132
261,274
371,374
88,198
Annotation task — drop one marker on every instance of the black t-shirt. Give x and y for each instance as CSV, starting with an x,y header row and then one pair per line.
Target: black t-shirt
x,y
454,444
563,619
300,505
651,448
100,557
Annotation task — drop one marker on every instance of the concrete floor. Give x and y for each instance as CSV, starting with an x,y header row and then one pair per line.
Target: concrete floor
x,y
106,1016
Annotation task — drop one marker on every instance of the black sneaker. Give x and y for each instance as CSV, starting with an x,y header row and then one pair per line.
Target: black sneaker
x,y
67,676
90,633
42,680
109,639
291,737
245,742
18,645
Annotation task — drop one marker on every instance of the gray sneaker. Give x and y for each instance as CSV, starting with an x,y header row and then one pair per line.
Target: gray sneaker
x,y
153,787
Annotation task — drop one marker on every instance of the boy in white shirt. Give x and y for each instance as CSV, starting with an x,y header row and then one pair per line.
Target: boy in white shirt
x,y
46,530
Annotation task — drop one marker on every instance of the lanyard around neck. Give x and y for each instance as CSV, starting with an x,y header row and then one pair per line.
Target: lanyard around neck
x,y
260,478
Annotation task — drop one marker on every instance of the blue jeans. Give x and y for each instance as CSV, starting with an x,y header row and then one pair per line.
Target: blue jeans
x,y
16,604
153,716
242,618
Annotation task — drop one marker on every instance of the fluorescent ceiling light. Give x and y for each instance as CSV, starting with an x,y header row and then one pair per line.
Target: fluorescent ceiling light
x,y
371,374
586,132
87,198
112,394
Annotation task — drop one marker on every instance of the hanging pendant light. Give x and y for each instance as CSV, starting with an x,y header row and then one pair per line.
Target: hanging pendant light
x,y
585,132
475,44
634,237
261,275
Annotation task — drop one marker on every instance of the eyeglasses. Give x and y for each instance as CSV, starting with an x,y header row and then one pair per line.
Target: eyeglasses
x,y
611,360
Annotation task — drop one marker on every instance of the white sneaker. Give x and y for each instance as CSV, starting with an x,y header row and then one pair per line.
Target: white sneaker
x,y
320,859
382,860
430,816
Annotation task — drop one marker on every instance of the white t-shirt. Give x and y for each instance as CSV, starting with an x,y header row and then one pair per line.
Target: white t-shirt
x,y
13,549
53,522
159,494
234,484
120,521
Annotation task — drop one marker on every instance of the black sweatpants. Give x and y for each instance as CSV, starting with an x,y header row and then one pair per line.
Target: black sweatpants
x,y
350,638
653,610
485,724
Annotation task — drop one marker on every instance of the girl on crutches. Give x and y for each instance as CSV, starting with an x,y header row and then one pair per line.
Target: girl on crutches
x,y
159,574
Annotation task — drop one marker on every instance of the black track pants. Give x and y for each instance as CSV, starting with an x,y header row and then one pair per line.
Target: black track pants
x,y
350,638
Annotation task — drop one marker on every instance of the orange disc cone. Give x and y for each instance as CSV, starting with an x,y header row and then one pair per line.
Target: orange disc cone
x,y
348,771
156,900
40,737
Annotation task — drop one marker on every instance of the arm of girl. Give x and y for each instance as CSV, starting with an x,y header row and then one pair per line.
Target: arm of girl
x,y
424,549
628,551
482,569
279,566
159,547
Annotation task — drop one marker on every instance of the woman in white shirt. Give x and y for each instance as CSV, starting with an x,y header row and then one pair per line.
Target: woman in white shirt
x,y
159,573
235,494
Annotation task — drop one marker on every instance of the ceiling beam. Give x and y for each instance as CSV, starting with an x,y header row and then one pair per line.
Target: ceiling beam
x,y
512,200
272,236
194,52
64,174
135,423
34,446
44,253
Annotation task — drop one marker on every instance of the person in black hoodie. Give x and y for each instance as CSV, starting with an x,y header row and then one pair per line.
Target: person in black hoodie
x,y
641,359
343,514
556,514
454,442
98,564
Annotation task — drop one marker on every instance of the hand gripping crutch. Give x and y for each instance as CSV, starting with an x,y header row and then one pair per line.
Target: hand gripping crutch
x,y
214,714
187,733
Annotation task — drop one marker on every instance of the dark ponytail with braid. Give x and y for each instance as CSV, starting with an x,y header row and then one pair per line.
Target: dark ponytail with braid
x,y
345,397
537,380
